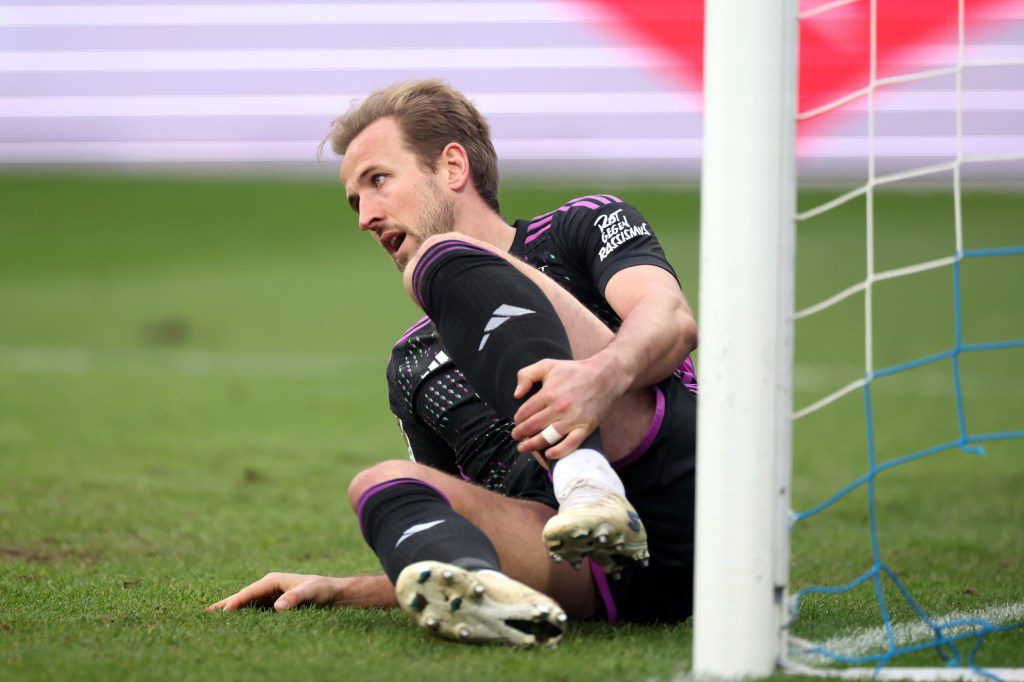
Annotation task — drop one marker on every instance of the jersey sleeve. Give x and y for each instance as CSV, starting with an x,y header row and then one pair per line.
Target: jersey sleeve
x,y
610,237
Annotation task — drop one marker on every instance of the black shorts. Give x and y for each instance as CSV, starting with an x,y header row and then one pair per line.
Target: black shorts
x,y
659,481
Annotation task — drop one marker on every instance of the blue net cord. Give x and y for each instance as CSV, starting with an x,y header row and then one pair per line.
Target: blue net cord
x,y
948,636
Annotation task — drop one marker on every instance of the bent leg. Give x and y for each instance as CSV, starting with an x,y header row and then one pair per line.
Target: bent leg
x,y
627,424
511,525
494,321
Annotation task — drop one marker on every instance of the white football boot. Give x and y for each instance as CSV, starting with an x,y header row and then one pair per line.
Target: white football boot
x,y
597,522
478,607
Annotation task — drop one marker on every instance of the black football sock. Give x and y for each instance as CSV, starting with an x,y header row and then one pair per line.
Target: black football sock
x,y
406,520
492,319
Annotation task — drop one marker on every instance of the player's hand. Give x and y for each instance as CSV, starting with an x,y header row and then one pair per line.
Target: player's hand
x,y
285,591
574,397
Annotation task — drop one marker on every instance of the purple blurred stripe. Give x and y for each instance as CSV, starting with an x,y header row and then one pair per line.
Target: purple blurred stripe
x,y
541,142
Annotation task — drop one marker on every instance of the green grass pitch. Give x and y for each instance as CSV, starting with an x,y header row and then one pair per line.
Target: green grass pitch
x,y
191,371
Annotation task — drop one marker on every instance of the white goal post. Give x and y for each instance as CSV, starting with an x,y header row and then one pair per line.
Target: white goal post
x,y
747,233
747,271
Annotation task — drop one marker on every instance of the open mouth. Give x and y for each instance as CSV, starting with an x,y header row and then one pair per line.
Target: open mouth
x,y
392,241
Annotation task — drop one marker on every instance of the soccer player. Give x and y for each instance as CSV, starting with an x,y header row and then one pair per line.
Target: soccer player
x,y
563,340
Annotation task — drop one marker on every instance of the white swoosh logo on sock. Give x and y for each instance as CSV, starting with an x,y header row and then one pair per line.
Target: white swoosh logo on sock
x,y
418,528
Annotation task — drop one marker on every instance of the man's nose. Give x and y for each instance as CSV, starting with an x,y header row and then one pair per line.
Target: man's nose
x,y
369,216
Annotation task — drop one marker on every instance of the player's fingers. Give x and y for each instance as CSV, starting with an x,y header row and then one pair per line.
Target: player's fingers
x,y
312,590
569,444
541,444
530,375
261,589
532,417
537,402
537,442
292,598
216,606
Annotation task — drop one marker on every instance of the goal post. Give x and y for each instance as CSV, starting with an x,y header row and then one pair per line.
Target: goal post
x,y
746,309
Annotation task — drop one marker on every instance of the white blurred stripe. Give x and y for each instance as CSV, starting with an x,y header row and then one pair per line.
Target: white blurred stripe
x,y
342,60
505,103
256,14
331,105
508,149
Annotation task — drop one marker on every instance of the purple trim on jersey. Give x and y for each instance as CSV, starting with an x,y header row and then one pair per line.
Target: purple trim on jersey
x,y
545,218
540,223
423,322
688,375
463,474
615,198
536,234
373,490
601,581
599,197
432,254
652,431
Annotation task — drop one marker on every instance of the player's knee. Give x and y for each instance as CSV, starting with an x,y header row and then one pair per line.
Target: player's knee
x,y
381,472
428,243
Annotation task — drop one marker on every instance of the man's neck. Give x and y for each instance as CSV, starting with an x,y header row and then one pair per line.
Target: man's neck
x,y
484,224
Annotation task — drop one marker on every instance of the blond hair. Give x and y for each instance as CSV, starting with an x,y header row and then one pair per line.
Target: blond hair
x,y
431,114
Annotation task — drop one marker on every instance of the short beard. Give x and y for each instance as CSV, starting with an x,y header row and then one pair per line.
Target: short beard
x,y
439,214
438,217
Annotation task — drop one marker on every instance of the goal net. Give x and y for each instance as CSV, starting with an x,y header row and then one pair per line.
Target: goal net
x,y
907,343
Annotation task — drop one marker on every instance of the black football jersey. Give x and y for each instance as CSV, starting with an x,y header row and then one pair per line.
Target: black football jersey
x,y
580,245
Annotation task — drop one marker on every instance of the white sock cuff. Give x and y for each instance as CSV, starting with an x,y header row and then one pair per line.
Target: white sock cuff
x,y
586,464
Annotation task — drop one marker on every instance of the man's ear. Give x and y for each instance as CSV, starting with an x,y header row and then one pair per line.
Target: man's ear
x,y
455,166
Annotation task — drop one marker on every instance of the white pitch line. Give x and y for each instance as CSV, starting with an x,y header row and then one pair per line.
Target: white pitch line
x,y
864,641
198,363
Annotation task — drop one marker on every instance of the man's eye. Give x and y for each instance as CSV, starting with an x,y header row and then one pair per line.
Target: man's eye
x,y
377,179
